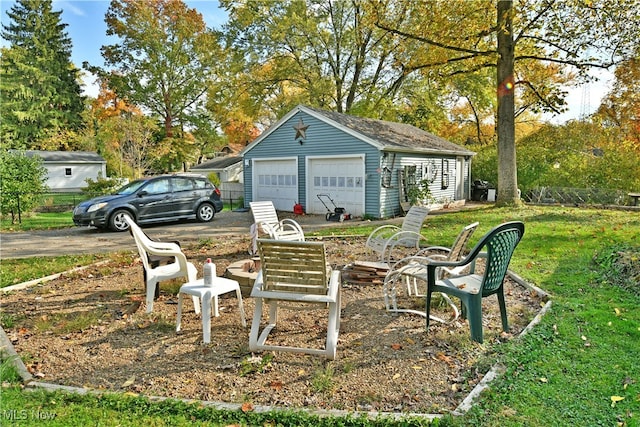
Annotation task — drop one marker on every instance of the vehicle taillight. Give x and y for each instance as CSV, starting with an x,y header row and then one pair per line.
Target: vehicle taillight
x,y
217,191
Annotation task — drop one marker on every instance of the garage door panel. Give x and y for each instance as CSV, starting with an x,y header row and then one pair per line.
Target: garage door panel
x,y
341,179
276,180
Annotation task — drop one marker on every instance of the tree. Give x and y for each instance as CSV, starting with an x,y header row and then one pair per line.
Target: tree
x,y
128,144
22,180
39,91
315,52
163,61
524,43
620,108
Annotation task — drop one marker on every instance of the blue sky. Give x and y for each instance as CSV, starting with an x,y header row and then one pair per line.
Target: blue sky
x,y
87,30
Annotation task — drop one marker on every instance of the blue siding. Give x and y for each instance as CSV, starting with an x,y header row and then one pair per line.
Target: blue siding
x,y
321,140
390,197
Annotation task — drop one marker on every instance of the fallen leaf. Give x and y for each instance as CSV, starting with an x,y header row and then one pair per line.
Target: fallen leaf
x,y
129,382
615,399
301,372
396,346
410,341
543,380
396,376
443,357
583,338
276,385
247,407
618,312
461,286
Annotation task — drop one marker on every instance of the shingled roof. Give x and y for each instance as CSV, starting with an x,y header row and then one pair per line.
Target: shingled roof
x,y
392,136
221,162
66,156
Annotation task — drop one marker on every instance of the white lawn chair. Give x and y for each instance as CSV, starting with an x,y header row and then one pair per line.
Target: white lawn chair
x,y
179,268
265,220
384,239
407,269
294,274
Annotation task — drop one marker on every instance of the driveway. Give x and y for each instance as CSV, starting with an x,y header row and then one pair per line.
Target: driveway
x,y
225,225
83,240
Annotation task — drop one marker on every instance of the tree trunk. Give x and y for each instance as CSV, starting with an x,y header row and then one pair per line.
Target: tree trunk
x,y
507,170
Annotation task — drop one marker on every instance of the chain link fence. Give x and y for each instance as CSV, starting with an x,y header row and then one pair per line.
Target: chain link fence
x,y
577,196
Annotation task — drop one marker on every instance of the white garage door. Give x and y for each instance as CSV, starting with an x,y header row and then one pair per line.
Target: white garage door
x,y
276,180
342,179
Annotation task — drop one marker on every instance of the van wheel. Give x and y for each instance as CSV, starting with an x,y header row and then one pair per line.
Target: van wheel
x,y
117,222
205,212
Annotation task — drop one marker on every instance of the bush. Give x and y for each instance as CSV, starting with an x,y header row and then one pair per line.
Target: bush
x,y
101,186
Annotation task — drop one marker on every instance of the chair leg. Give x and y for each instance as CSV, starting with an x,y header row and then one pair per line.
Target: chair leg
x,y
257,339
333,328
241,307
474,312
179,315
151,290
503,311
428,306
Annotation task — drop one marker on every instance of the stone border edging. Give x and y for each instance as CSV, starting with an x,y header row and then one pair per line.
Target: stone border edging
x,y
24,285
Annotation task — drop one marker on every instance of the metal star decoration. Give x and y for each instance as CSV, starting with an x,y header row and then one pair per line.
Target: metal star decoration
x,y
301,130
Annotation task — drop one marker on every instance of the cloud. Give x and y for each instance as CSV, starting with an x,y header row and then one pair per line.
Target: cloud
x,y
70,7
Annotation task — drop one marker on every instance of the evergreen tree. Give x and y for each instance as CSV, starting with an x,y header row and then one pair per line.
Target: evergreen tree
x,y
39,91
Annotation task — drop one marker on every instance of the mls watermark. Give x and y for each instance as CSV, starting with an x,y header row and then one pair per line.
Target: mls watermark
x,y
23,414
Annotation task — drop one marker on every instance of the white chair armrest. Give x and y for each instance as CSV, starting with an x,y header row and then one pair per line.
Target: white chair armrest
x,y
404,238
382,230
290,223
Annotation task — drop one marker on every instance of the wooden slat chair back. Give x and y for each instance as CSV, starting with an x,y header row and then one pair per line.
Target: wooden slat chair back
x,y
299,268
293,273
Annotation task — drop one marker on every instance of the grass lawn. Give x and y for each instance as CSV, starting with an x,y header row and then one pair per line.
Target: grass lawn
x,y
578,367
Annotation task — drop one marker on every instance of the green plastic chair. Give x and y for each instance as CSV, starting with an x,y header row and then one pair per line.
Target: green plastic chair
x,y
500,244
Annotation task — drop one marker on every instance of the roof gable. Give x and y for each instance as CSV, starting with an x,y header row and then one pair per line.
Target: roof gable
x,y
384,135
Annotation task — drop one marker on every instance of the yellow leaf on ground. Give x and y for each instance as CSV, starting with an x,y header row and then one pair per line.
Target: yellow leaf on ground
x,y
543,380
247,407
615,399
129,382
618,312
396,376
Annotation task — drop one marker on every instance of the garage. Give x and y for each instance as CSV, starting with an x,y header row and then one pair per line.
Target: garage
x,y
342,178
356,161
276,180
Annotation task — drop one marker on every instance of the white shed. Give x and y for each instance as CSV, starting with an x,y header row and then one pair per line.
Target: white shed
x,y
69,170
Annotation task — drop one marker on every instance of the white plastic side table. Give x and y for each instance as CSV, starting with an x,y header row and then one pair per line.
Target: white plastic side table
x,y
221,285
